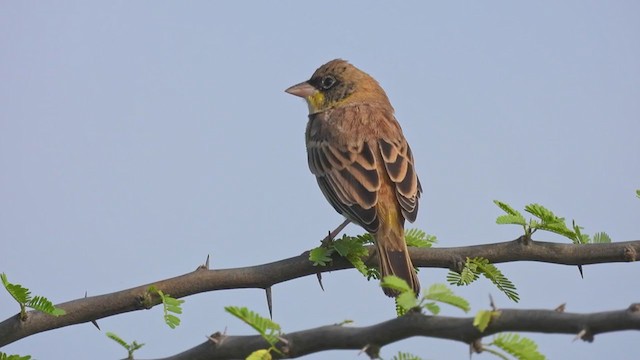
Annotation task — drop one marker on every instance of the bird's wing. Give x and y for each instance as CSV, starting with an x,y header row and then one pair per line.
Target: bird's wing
x,y
398,161
348,178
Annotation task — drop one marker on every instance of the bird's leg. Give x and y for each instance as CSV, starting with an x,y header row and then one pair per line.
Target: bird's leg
x,y
326,242
332,235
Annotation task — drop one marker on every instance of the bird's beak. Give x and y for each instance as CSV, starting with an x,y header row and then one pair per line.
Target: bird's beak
x,y
303,90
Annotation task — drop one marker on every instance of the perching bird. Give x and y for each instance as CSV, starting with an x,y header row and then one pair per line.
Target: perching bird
x,y
361,160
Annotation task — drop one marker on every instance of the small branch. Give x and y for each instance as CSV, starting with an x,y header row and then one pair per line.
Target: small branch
x,y
266,275
521,250
335,337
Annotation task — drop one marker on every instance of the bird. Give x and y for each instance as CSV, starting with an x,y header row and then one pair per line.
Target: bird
x,y
361,160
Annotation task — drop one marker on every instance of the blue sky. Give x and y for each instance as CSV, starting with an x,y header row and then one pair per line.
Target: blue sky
x,y
138,137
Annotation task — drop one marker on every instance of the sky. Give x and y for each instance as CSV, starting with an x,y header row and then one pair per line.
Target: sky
x,y
136,138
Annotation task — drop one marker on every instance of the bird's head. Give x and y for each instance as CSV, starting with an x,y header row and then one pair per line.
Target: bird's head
x,y
338,83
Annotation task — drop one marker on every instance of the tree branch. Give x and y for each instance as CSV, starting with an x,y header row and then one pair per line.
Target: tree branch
x,y
263,276
335,337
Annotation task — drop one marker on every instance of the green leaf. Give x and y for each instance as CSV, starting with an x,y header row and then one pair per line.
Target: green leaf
x,y
395,283
373,273
173,305
262,354
365,239
117,339
347,245
432,308
492,273
454,278
350,247
483,318
171,320
43,304
541,213
533,224
508,209
466,277
170,306
353,249
441,293
559,228
399,309
579,237
550,222
407,301
268,329
418,238
4,356
131,348
405,356
474,267
359,264
601,237
638,193
520,347
320,256
20,294
23,297
511,219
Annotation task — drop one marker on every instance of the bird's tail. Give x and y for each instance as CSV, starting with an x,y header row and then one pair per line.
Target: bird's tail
x,y
395,260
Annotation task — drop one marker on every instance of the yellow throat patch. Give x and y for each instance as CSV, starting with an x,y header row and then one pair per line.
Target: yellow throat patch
x,y
316,102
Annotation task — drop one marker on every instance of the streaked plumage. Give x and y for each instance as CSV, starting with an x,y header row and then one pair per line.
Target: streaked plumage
x,y
361,160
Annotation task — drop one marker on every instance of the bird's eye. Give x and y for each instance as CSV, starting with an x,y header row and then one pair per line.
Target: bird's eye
x,y
328,81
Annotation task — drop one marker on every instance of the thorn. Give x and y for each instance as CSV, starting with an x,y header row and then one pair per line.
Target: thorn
x,y
580,269
285,347
327,239
373,351
204,266
345,322
634,307
560,308
458,264
475,347
218,337
269,302
95,323
584,335
283,340
630,254
491,303
579,335
363,349
319,276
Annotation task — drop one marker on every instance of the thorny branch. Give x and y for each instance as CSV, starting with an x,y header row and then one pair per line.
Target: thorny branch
x,y
264,276
416,324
